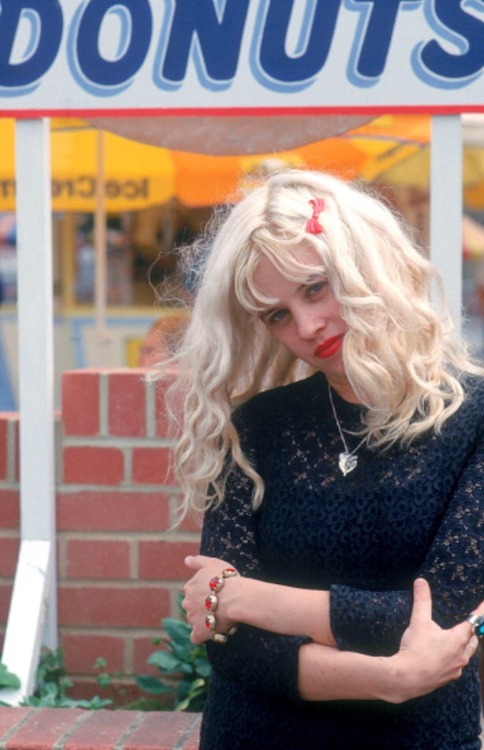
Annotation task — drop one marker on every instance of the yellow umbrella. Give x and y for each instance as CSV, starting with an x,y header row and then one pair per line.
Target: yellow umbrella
x,y
384,147
135,175
389,142
472,238
138,175
398,147
203,180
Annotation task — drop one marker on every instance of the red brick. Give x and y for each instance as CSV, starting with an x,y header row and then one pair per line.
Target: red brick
x,y
80,402
11,717
5,596
9,509
163,424
192,742
191,522
9,421
82,650
102,730
142,649
44,728
96,558
74,729
126,404
93,465
164,560
161,731
9,548
152,466
111,511
16,458
3,447
127,607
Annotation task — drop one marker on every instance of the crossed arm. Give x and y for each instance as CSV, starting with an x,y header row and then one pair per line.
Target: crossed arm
x,y
286,642
429,656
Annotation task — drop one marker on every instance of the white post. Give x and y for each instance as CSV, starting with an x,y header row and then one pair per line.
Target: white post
x,y
34,595
446,203
103,339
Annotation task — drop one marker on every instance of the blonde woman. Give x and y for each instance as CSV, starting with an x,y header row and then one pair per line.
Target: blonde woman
x,y
333,437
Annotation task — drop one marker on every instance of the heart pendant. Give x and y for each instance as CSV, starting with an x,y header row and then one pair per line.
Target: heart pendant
x,y
347,462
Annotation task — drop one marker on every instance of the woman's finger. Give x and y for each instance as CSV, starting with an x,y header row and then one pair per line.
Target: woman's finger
x,y
473,643
422,603
194,562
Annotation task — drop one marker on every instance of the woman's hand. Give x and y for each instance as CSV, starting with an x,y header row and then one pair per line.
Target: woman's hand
x,y
284,610
196,591
429,656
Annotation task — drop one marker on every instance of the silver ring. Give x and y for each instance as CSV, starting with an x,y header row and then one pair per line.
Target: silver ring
x,y
477,622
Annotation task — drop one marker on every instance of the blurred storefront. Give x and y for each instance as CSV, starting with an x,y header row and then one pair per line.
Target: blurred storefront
x,y
155,201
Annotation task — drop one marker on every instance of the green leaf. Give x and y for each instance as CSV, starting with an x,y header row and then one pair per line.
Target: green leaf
x,y
164,661
194,697
178,631
183,653
183,705
203,668
8,679
152,685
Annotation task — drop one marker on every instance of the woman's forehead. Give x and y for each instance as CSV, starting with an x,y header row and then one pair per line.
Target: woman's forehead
x,y
293,260
300,265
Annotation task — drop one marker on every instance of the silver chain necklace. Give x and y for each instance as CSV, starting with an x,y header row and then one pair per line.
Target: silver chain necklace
x,y
348,460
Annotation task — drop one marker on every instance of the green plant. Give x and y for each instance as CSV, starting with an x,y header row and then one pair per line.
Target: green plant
x,y
8,679
52,684
183,663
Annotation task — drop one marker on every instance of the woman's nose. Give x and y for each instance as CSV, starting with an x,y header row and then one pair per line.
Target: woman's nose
x,y
308,324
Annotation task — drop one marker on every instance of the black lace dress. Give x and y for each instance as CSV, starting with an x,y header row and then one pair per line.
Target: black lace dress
x,y
365,537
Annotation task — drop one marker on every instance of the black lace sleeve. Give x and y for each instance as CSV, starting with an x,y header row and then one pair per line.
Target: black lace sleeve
x,y
373,622
257,658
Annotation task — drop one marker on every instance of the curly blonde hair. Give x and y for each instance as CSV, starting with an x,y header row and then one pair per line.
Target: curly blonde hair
x,y
400,355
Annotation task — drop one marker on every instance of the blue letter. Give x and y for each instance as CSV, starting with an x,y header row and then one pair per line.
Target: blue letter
x,y
218,36
315,42
374,40
46,19
455,66
133,45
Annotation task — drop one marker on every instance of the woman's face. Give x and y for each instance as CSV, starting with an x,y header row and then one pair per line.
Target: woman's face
x,y
306,318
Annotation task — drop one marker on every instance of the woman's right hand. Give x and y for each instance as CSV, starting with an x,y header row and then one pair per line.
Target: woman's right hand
x,y
429,656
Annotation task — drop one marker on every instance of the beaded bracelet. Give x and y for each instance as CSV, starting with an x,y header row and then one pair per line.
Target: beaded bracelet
x,y
216,584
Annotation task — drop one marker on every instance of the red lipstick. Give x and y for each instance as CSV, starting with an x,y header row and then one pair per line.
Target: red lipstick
x,y
329,347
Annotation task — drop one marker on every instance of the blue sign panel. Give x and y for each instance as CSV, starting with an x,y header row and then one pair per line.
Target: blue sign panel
x,y
108,56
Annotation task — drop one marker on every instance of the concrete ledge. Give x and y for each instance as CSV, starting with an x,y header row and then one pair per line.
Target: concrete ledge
x,y
76,729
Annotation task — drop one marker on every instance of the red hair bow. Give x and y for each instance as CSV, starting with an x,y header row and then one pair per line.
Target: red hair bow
x,y
313,226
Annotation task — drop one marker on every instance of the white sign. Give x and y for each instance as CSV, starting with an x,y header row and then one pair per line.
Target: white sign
x,y
240,56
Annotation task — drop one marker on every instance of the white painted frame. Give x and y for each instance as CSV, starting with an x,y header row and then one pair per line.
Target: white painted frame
x,y
446,207
33,605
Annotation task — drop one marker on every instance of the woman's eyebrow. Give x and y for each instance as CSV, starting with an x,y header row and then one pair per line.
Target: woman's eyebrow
x,y
263,314
309,280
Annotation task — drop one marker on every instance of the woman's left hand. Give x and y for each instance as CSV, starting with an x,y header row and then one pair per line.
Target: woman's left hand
x,y
196,591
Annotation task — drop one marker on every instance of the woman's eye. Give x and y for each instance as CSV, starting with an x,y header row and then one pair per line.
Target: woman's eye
x,y
315,288
276,316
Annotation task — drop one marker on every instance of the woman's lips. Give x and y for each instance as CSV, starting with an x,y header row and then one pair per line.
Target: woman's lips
x,y
329,347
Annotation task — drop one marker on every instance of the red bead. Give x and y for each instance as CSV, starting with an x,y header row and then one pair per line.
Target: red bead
x,y
216,583
210,622
211,602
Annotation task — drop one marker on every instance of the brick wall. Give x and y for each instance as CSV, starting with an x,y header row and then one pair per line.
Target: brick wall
x,y
120,563
74,729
